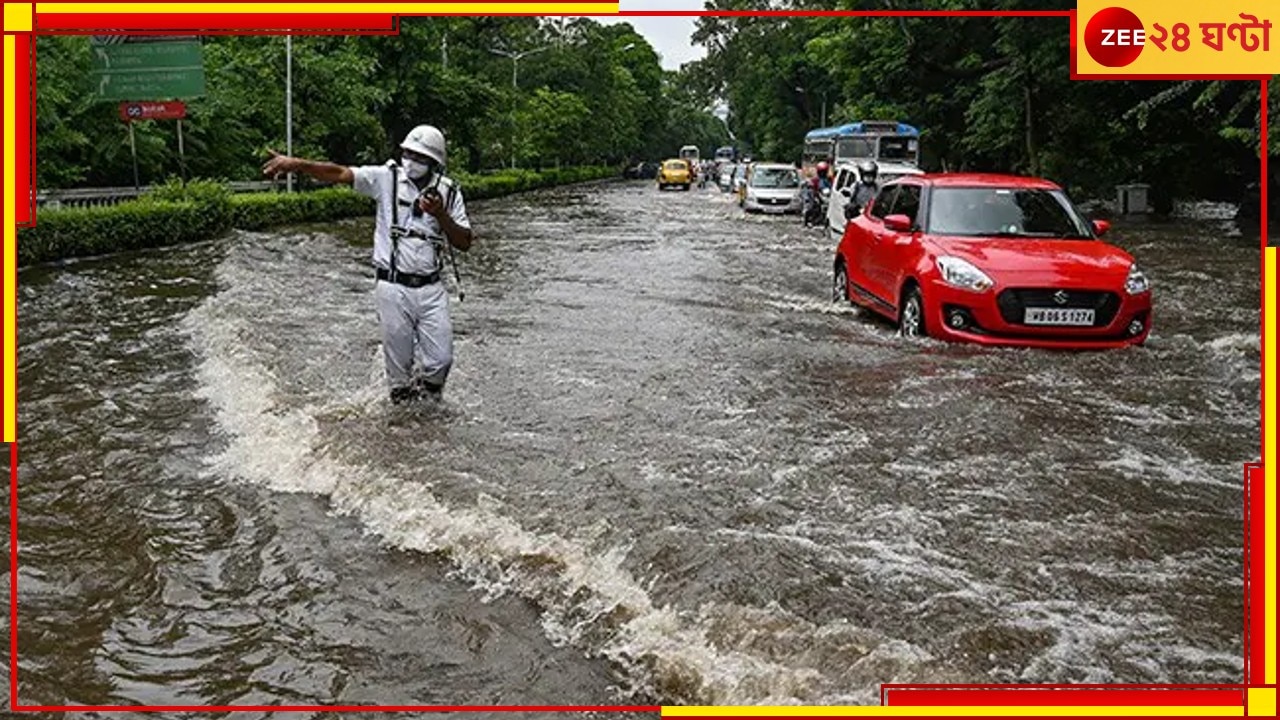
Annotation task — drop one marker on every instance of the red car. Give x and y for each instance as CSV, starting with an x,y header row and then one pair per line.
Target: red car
x,y
991,259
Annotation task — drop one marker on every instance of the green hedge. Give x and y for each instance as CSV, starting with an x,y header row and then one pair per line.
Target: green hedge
x,y
173,213
263,210
506,182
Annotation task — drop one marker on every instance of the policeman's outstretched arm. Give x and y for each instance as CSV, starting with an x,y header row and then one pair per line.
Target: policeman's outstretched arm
x,y
322,171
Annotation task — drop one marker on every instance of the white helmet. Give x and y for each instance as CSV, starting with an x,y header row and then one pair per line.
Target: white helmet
x,y
426,140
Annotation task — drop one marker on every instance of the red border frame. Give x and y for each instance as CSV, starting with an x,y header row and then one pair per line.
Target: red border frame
x,y
906,694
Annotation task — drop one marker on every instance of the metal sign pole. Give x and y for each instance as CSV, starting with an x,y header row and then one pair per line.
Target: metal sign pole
x,y
133,147
182,156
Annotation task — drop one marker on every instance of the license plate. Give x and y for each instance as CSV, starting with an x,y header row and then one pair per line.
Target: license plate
x,y
1059,316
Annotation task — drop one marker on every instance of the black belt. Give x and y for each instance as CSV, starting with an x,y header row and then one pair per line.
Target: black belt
x,y
414,234
409,279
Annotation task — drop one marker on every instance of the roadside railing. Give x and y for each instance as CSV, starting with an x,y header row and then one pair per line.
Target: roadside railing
x,y
99,197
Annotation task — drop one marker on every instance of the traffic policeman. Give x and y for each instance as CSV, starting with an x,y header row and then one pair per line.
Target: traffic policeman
x,y
418,210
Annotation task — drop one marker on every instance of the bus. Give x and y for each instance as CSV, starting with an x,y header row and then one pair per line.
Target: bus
x,y
690,154
726,155
882,141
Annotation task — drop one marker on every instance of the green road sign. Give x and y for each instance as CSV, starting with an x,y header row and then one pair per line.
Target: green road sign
x,y
148,71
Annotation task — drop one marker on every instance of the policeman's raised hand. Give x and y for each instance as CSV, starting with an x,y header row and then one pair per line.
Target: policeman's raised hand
x,y
277,165
432,204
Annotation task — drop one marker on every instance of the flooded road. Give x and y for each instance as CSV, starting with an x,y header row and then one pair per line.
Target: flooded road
x,y
667,470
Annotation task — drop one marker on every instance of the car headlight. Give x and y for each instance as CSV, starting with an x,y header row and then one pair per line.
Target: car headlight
x,y
962,274
1137,282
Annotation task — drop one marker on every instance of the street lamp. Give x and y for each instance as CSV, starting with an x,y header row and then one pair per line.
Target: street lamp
x,y
515,89
824,103
288,105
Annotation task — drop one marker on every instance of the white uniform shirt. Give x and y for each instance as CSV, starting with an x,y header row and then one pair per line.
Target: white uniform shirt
x,y
414,254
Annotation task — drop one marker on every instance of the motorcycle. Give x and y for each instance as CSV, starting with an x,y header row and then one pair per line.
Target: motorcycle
x,y
814,206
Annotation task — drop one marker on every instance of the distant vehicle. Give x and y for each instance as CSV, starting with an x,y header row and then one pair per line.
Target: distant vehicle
x,y
993,260
846,178
882,141
675,172
690,154
726,155
772,188
725,181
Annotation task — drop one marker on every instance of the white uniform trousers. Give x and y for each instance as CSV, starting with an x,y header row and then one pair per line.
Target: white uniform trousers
x,y
415,325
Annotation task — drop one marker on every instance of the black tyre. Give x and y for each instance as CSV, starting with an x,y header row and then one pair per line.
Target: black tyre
x,y
911,322
840,284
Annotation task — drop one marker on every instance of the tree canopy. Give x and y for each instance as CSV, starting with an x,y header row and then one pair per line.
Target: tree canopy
x,y
989,93
591,94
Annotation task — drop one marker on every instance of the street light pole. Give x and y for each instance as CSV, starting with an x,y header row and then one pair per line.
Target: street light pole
x,y
824,102
515,88
288,105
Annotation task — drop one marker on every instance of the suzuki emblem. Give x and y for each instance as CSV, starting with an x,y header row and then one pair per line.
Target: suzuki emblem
x,y
1061,297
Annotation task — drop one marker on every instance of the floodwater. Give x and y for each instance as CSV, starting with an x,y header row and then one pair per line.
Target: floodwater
x,y
668,469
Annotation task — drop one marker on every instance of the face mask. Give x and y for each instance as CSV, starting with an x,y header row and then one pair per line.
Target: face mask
x,y
417,170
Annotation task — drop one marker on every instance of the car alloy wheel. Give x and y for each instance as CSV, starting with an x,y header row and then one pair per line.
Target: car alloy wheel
x,y
911,317
840,285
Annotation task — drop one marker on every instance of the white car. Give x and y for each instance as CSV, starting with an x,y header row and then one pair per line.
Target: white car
x,y
847,178
772,188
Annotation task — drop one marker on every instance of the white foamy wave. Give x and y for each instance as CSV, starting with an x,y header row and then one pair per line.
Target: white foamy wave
x,y
809,304
1137,465
588,597
1081,630
1238,341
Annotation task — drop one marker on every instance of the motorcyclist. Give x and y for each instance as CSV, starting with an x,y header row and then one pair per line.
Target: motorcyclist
x,y
813,192
824,175
867,188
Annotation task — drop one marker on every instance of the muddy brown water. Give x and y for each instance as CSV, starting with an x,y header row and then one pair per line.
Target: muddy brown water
x,y
668,469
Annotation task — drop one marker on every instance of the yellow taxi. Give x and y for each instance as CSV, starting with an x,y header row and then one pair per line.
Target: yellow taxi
x,y
674,172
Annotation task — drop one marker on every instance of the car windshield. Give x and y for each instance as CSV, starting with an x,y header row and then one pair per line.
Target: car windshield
x,y
1004,212
775,178
676,165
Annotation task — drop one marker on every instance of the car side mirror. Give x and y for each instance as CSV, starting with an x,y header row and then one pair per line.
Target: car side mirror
x,y
898,223
1100,227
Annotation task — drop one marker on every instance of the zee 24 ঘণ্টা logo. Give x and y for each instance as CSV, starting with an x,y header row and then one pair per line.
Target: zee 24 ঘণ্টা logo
x,y
1115,37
